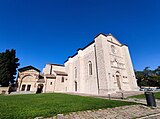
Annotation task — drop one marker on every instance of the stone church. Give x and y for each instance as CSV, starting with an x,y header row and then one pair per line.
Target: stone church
x,y
102,67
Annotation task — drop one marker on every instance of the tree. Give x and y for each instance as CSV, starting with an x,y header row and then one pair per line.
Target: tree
x,y
157,71
8,65
147,72
148,77
140,78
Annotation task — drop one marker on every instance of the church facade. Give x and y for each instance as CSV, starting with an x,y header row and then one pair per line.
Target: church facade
x,y
102,67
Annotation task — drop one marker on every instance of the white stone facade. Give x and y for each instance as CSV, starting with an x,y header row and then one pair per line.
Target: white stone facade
x,y
102,67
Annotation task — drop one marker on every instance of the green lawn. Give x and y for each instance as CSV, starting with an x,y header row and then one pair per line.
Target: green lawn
x,y
46,105
157,96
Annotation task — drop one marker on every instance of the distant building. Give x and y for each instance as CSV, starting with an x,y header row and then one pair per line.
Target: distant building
x,y
104,66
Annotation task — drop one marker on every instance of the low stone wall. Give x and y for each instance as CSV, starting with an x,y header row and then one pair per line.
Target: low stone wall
x,y
4,90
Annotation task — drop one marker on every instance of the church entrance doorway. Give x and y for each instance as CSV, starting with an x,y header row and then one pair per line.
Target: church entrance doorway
x,y
39,88
118,82
75,86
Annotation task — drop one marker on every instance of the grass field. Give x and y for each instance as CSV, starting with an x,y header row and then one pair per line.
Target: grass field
x,y
157,96
46,105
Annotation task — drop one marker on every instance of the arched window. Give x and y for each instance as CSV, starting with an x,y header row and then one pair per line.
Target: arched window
x,y
75,72
90,67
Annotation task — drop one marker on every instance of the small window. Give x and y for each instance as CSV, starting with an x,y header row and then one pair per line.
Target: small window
x,y
28,87
62,79
75,72
90,67
124,76
23,87
50,83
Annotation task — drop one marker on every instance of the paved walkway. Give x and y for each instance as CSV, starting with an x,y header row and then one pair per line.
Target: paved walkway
x,y
124,112
118,95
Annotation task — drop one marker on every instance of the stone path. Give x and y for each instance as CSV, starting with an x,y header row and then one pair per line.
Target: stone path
x,y
124,112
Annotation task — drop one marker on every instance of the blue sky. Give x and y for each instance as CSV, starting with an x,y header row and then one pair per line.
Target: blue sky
x,y
48,31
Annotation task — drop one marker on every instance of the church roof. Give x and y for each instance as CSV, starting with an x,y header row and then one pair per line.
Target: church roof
x,y
116,42
28,68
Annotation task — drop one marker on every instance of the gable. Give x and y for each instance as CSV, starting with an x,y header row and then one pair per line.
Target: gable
x,y
109,37
112,39
28,68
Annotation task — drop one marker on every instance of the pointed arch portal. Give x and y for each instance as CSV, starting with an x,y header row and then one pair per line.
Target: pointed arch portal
x,y
118,80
